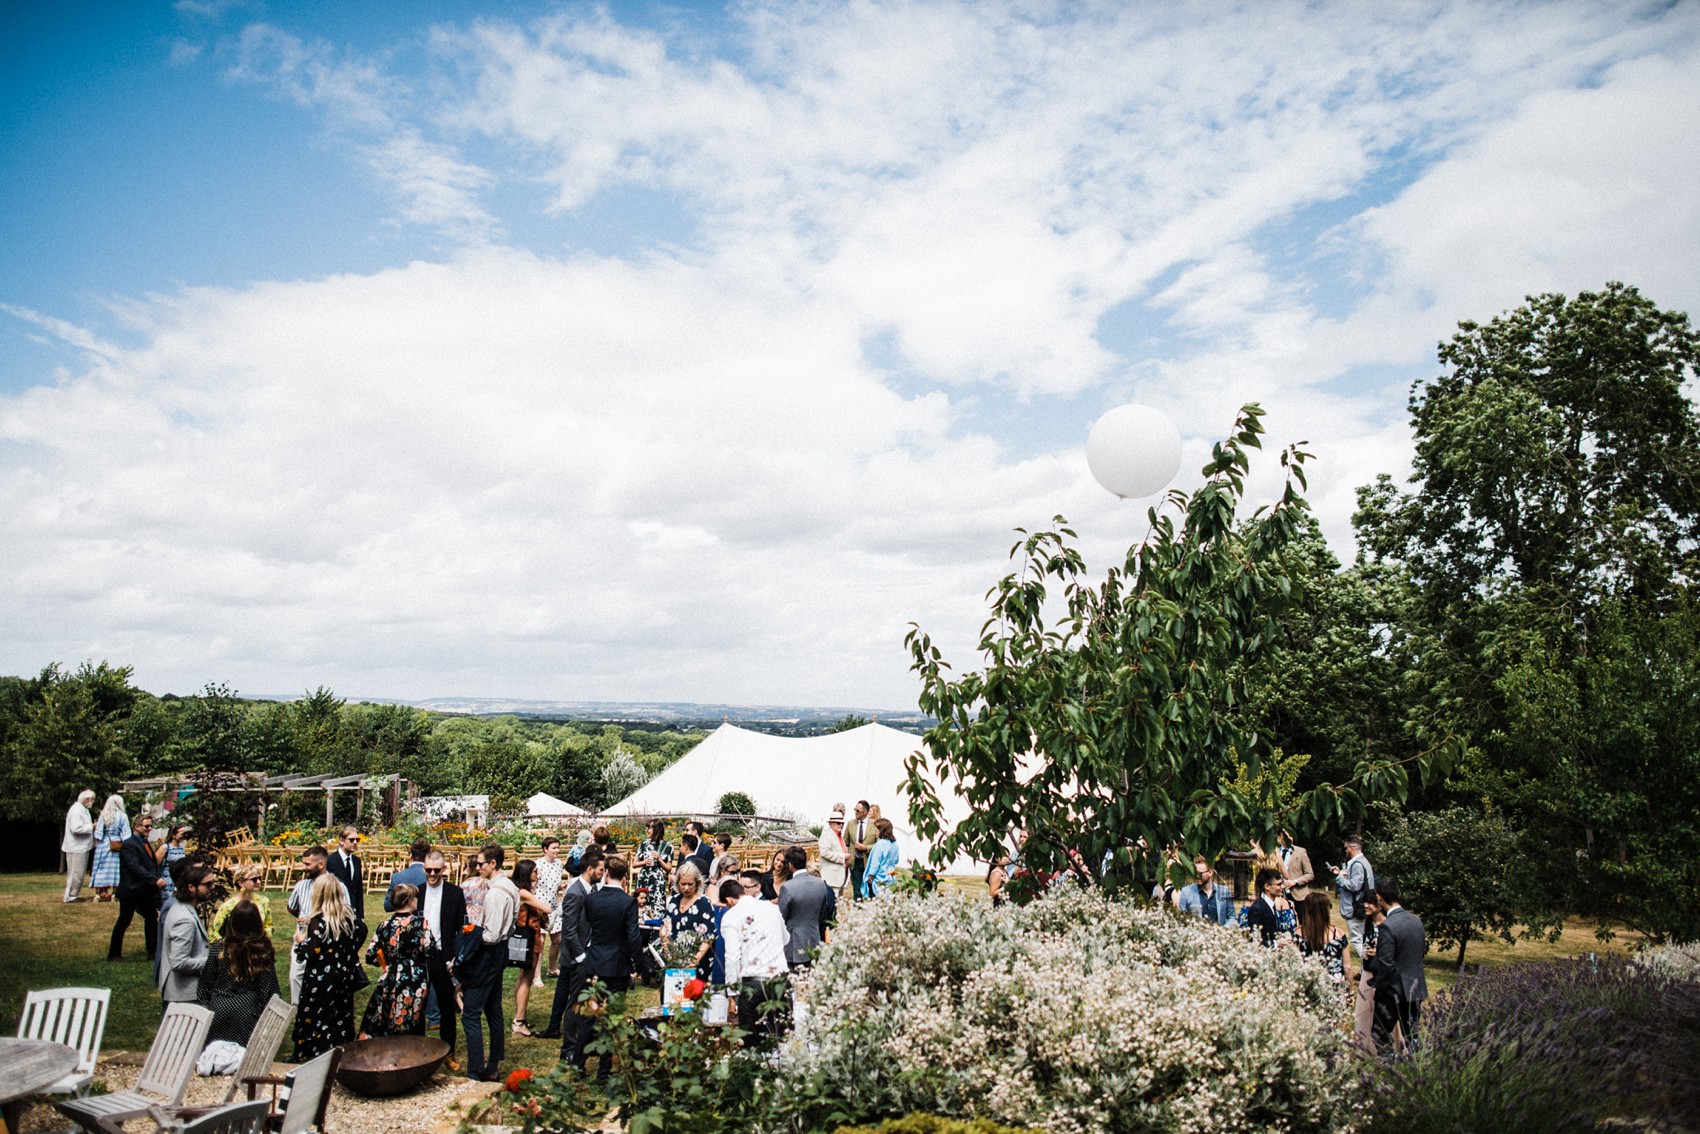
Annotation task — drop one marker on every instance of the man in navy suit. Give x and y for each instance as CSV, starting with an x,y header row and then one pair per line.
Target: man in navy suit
x,y
139,884
345,865
573,1029
413,874
616,951
1265,923
444,906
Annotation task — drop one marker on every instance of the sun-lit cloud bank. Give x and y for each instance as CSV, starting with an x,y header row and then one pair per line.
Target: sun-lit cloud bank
x,y
734,467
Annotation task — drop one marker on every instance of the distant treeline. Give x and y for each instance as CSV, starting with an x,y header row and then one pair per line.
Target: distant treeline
x,y
63,730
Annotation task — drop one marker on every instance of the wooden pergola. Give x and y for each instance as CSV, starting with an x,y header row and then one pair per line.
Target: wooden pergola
x,y
390,784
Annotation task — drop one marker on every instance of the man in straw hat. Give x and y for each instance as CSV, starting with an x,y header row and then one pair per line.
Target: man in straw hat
x,y
834,853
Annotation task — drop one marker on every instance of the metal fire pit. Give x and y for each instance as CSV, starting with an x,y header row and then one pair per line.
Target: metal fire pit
x,y
389,1065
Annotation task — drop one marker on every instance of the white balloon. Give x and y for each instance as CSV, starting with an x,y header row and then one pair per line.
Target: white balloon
x,y
1134,451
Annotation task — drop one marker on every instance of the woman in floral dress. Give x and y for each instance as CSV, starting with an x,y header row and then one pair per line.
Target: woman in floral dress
x,y
114,823
329,947
397,1006
653,855
688,911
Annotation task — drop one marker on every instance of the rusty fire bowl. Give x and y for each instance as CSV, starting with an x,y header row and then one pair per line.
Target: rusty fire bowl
x,y
389,1065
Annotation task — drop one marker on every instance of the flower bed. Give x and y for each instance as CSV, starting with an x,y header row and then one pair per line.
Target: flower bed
x,y
1076,1014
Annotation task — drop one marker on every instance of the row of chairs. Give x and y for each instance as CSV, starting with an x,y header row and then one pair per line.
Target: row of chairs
x,y
76,1017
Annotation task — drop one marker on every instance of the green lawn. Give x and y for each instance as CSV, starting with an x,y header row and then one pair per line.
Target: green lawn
x,y
45,943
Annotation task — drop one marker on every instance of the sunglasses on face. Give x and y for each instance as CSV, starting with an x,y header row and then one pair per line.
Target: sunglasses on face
x,y
431,872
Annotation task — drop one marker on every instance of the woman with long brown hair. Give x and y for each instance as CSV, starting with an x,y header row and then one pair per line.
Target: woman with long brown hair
x,y
240,976
533,916
1318,936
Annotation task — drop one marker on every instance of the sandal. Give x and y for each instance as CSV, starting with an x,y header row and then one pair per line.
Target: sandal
x,y
521,1028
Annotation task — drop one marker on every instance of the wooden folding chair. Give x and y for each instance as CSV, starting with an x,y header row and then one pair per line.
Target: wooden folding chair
x,y
257,1058
237,1118
164,1077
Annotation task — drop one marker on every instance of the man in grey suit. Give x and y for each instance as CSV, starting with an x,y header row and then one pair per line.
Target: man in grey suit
x,y
1395,964
808,906
572,1029
183,940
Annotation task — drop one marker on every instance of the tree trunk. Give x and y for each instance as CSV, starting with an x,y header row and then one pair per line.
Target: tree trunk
x,y
1462,945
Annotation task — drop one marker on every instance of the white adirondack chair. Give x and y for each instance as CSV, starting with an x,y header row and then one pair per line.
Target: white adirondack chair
x,y
164,1076
305,1095
75,1017
257,1057
241,1118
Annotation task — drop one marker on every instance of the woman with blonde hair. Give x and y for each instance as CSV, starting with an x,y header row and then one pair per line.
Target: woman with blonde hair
x,y
329,949
688,911
110,831
247,879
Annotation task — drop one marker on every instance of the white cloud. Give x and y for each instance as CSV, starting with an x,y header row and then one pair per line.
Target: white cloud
x,y
672,472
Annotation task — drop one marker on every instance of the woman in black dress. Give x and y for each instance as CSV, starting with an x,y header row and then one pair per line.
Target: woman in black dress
x,y
240,976
330,950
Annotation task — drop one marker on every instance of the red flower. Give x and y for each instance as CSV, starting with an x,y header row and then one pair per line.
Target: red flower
x,y
695,987
518,1079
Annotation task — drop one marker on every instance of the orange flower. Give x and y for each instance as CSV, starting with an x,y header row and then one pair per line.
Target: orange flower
x,y
518,1079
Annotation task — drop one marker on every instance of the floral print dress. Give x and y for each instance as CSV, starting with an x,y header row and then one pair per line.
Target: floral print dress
x,y
547,888
697,918
397,1006
654,878
324,1018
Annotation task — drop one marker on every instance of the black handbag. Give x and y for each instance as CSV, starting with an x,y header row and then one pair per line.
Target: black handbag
x,y
521,942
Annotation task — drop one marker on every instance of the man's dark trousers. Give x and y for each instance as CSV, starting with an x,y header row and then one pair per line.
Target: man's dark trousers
x,y
443,994
617,986
574,1029
147,905
481,993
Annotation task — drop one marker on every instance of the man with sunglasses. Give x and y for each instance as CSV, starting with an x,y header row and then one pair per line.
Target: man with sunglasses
x,y
444,907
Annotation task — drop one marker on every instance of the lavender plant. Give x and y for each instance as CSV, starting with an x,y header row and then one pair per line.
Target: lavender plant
x,y
1558,1046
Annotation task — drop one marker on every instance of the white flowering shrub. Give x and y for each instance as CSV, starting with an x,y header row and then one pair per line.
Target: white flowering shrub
x,y
1075,1014
1672,962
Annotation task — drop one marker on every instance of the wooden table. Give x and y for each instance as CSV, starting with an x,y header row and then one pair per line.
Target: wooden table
x,y
29,1066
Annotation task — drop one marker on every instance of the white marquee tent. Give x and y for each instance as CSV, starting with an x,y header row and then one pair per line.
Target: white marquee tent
x,y
797,775
546,806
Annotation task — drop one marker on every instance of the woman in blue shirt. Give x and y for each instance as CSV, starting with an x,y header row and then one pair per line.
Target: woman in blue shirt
x,y
882,860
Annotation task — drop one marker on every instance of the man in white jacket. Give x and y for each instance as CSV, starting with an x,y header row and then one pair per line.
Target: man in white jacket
x,y
78,844
834,854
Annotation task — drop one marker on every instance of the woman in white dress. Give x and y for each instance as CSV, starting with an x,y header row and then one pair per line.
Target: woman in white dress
x,y
546,888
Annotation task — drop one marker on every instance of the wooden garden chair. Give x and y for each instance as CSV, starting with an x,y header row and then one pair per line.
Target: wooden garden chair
x,y
237,1118
164,1077
304,1094
75,1017
257,1058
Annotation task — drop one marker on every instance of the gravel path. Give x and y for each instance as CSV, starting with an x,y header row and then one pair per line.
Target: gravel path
x,y
426,1110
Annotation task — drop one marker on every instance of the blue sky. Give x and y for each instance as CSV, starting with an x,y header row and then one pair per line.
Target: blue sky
x,y
654,351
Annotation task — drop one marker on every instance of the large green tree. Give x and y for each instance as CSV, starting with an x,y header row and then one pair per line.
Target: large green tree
x,y
61,732
1110,718
1550,542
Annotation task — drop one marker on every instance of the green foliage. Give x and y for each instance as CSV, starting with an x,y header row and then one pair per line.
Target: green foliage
x,y
1273,786
62,732
1110,730
1463,870
735,803
1549,548
847,722
672,1076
